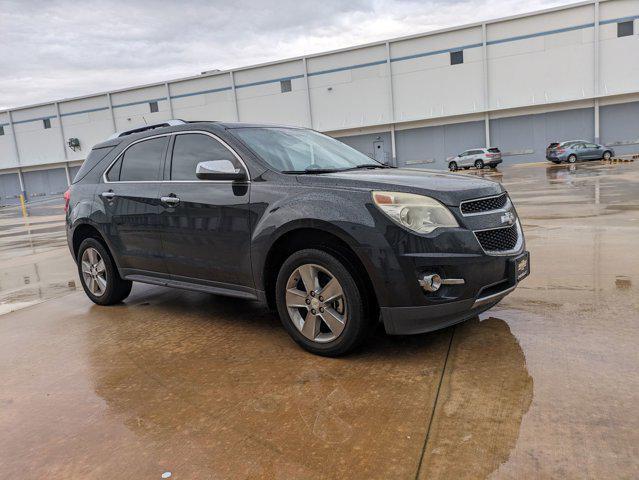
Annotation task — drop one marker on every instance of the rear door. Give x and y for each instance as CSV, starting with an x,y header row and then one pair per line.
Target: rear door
x,y
205,223
132,207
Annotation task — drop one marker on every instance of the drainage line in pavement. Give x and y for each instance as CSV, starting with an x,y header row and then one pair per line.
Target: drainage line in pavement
x,y
432,413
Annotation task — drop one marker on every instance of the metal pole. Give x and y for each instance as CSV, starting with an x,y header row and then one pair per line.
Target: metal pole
x,y
66,171
168,99
486,91
391,99
64,143
237,109
308,94
111,110
596,72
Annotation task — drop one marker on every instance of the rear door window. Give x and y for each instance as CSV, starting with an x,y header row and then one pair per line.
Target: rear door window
x,y
190,149
142,161
95,156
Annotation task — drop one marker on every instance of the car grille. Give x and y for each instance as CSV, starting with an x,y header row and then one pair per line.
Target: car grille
x,y
484,204
498,239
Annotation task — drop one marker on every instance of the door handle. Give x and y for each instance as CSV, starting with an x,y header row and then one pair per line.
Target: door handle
x,y
171,201
108,195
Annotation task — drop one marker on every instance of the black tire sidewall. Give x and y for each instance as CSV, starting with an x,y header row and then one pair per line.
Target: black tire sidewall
x,y
479,164
452,166
116,287
357,324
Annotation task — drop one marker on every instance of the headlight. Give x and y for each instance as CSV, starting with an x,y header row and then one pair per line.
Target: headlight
x,y
419,213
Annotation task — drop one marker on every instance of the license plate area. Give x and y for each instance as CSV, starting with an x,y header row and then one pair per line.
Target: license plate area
x,y
520,267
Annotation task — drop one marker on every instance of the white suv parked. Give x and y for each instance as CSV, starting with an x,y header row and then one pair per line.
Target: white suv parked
x,y
478,158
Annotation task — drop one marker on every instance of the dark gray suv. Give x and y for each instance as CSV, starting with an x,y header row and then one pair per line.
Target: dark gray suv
x,y
331,239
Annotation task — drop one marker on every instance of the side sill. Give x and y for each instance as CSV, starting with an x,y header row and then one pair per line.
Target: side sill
x,y
196,287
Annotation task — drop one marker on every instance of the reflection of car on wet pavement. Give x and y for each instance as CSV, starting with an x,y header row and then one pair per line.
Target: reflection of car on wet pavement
x,y
332,239
574,150
477,157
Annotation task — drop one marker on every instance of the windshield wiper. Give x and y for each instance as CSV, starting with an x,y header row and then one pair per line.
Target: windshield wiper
x,y
312,170
369,165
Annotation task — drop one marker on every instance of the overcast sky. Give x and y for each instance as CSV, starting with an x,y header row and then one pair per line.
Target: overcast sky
x,y
52,49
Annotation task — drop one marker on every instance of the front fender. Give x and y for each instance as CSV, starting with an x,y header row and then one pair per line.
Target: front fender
x,y
342,213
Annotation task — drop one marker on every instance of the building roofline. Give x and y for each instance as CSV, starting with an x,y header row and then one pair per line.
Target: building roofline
x,y
218,73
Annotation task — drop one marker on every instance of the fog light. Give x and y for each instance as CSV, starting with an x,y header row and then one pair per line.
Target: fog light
x,y
431,283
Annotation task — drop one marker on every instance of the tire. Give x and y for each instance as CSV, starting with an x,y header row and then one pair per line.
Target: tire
x,y
607,155
320,338
572,158
112,288
452,166
479,164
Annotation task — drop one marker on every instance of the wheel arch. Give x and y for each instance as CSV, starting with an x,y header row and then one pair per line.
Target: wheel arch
x,y
326,237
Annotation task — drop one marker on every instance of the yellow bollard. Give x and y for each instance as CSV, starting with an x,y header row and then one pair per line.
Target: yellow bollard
x,y
24,207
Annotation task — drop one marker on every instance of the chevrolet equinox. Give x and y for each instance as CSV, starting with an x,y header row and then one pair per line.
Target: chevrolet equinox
x,y
331,239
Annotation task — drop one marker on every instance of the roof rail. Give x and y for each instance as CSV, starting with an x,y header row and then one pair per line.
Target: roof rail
x,y
168,123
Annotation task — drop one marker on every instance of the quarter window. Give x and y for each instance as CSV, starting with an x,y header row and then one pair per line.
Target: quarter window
x,y
142,161
192,148
625,29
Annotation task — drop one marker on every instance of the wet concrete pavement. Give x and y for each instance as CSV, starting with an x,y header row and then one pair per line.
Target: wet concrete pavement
x,y
544,385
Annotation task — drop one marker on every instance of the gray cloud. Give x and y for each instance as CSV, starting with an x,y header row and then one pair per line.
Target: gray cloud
x,y
55,49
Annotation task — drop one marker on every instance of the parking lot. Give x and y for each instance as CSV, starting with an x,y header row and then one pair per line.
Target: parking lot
x,y
543,385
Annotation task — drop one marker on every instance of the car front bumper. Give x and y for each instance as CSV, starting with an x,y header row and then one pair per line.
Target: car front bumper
x,y
427,318
486,284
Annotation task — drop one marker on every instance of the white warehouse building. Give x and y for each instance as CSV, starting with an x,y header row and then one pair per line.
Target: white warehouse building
x,y
517,83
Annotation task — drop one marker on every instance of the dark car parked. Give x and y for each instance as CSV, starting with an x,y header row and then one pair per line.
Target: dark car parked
x,y
574,150
330,238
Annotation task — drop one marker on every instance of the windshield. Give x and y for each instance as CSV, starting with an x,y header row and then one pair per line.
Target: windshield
x,y
292,150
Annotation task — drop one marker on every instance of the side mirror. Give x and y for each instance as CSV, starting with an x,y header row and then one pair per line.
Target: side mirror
x,y
218,170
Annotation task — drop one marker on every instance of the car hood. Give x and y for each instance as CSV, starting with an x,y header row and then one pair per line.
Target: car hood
x,y
450,189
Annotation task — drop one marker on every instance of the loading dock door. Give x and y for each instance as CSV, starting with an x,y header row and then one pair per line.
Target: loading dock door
x,y
42,183
9,189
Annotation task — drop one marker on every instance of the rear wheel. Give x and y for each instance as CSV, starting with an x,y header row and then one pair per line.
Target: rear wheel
x,y
479,164
321,304
572,158
452,166
99,276
607,155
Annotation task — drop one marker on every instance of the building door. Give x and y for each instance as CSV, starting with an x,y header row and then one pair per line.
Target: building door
x,y
378,151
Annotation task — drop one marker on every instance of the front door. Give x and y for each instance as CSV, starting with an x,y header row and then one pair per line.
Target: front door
x,y
205,224
132,207
592,151
378,151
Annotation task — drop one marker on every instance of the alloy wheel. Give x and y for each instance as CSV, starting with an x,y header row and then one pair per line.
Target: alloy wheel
x,y
94,272
316,303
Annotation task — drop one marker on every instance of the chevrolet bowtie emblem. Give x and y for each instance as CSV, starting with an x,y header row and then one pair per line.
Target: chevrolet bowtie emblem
x,y
508,218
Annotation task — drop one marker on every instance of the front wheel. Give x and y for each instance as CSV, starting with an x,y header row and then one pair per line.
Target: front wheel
x,y
452,166
607,155
479,164
321,304
572,158
98,274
